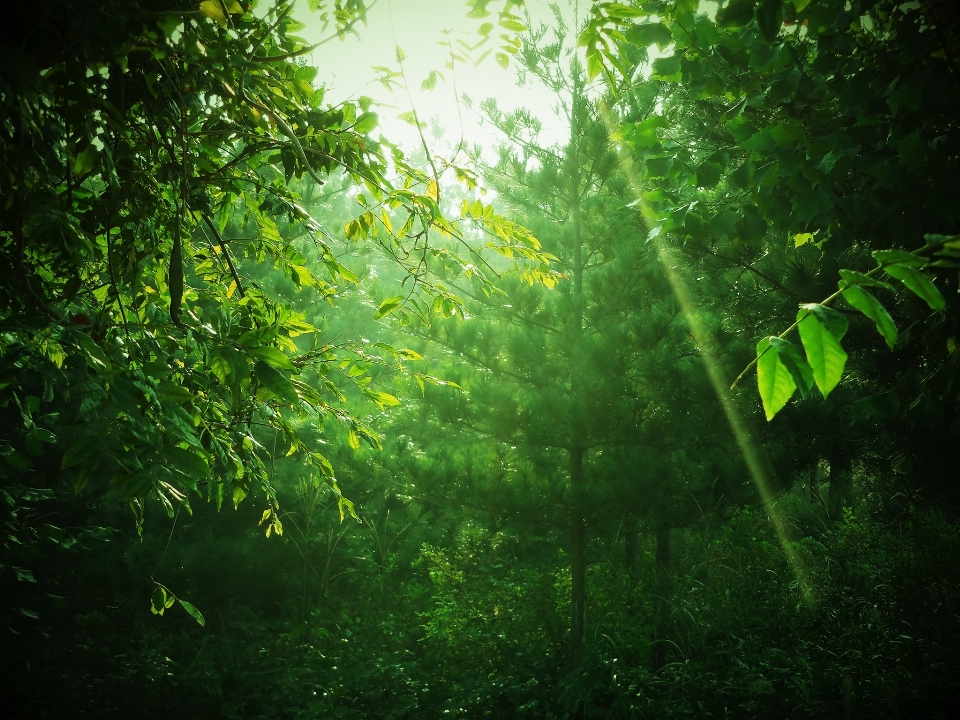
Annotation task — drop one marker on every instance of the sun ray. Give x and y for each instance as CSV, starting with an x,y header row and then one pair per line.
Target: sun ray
x,y
704,339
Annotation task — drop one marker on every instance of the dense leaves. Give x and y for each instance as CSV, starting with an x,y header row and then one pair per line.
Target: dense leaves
x,y
424,451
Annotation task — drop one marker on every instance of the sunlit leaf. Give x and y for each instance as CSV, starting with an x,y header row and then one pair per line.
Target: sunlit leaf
x,y
821,343
388,306
873,309
774,380
919,284
194,613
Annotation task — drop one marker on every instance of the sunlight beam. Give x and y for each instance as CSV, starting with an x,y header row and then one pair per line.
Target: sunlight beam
x,y
704,339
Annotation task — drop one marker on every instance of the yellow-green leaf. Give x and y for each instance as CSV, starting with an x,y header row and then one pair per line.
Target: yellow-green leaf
x,y
212,9
873,309
919,284
194,613
824,353
773,379
388,306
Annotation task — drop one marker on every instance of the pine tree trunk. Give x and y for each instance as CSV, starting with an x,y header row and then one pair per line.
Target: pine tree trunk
x,y
630,548
578,563
841,486
658,649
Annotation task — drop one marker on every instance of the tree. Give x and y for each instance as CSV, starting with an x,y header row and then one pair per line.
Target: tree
x,y
150,154
822,122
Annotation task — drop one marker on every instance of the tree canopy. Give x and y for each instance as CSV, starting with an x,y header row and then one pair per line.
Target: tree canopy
x,y
300,422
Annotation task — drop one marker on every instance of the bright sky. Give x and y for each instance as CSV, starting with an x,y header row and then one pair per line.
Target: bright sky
x,y
417,26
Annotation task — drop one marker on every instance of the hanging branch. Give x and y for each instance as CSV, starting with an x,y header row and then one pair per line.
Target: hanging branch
x,y
226,254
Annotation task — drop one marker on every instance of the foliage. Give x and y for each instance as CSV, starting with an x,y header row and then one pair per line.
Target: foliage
x,y
828,115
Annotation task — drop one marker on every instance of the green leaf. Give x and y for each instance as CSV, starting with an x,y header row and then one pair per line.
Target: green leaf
x,y
594,63
648,34
919,284
93,353
852,277
188,462
801,239
219,366
900,257
366,122
194,613
388,306
502,60
774,380
620,11
211,9
913,152
644,134
273,357
79,450
86,161
708,174
821,342
276,382
736,13
667,69
798,368
873,309
382,399
770,18
161,600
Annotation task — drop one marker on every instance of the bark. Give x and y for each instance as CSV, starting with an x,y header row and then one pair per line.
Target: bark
x,y
658,648
578,564
630,548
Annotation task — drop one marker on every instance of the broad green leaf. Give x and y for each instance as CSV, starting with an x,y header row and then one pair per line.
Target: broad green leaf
x,y
919,284
647,34
873,309
773,379
194,613
276,382
770,18
273,357
708,174
835,323
93,353
161,600
667,69
368,120
388,306
219,366
188,462
211,9
736,13
824,353
801,239
86,161
594,63
513,25
382,399
623,12
900,257
79,450
798,368
852,277
800,4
